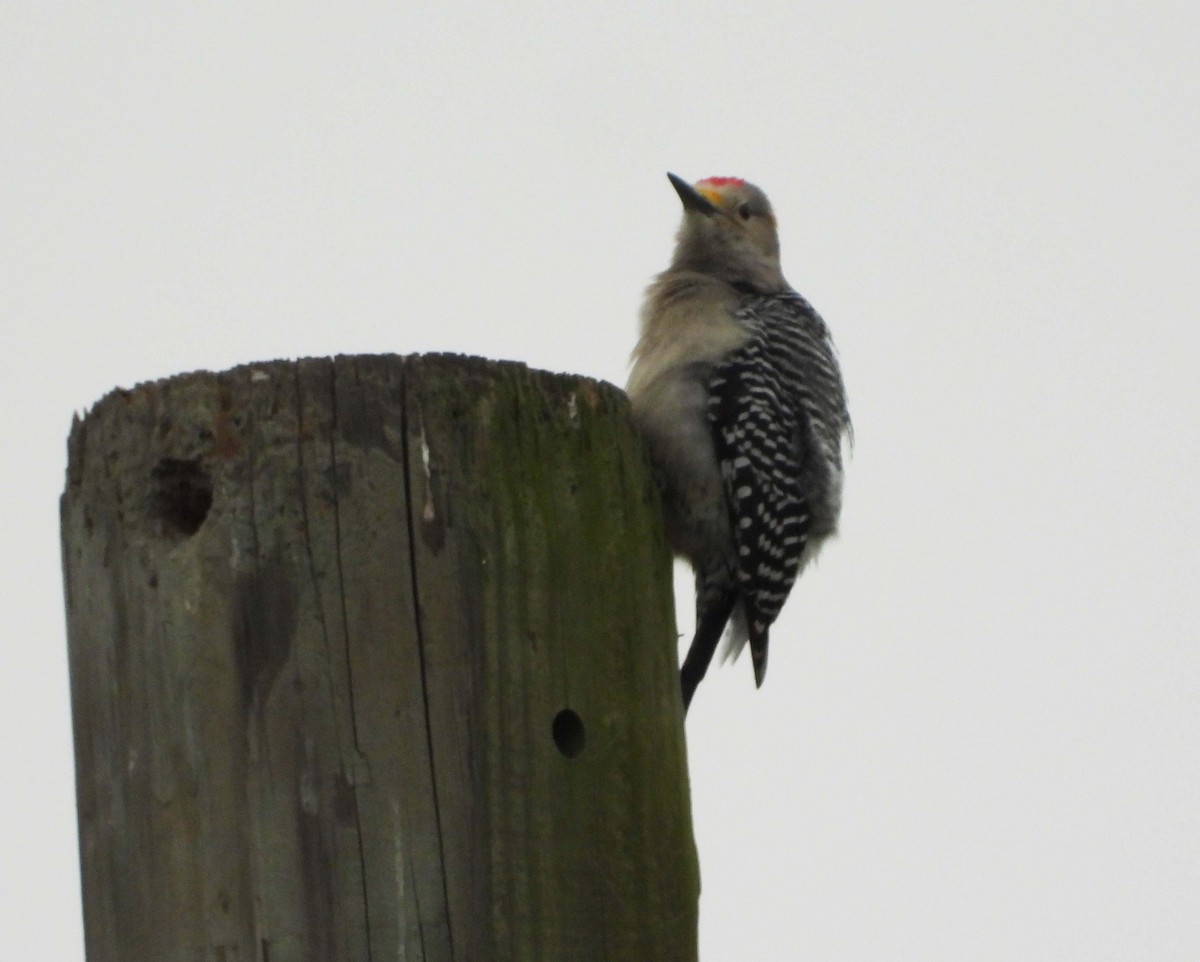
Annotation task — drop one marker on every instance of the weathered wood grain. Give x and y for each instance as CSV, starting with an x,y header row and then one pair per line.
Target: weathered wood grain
x,y
374,658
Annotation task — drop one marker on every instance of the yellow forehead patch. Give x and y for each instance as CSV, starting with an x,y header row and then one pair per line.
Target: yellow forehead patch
x,y
712,196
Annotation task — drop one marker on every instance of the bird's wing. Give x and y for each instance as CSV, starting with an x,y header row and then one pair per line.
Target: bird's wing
x,y
761,446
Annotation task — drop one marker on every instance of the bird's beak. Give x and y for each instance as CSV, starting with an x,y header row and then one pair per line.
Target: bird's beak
x,y
692,198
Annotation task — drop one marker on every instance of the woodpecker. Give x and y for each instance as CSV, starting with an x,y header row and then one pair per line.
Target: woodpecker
x,y
736,389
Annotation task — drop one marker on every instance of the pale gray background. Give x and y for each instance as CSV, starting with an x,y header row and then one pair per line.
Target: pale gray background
x,y
979,739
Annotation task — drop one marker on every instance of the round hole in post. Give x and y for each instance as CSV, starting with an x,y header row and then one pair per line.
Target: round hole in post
x,y
182,495
568,733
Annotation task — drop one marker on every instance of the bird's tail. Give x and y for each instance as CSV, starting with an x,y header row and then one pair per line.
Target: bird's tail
x,y
710,625
758,650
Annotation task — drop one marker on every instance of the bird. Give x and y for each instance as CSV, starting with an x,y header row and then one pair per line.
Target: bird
x,y
737,392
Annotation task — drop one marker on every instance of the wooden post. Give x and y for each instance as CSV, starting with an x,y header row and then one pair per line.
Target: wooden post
x,y
374,658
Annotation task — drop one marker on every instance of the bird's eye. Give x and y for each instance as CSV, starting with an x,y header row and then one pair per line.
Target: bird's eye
x,y
744,212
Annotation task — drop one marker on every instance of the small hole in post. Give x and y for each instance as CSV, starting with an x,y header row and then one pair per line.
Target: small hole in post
x,y
181,496
568,733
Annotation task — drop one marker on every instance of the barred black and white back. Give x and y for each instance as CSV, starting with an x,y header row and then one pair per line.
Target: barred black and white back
x,y
777,406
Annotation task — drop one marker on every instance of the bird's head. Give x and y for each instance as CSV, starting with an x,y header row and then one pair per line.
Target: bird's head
x,y
729,232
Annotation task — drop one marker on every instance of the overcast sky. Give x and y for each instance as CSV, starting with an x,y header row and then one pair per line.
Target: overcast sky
x,y
979,738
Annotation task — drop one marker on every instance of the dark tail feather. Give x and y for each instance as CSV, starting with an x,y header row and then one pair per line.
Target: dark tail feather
x,y
709,627
758,651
